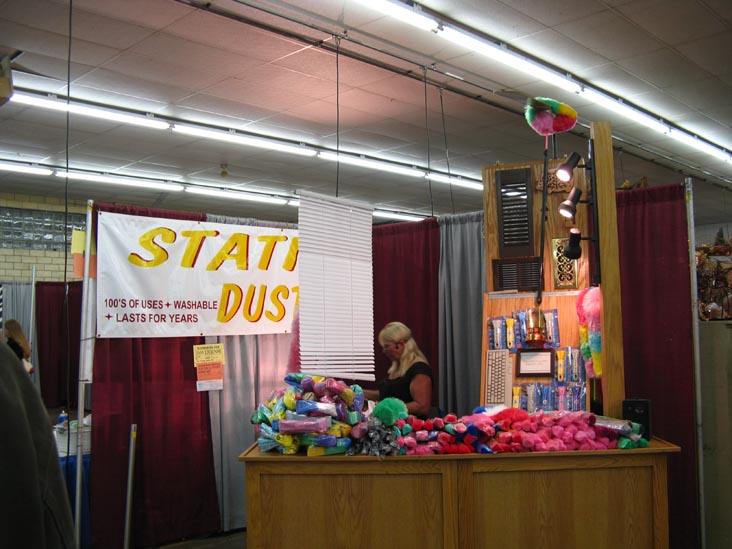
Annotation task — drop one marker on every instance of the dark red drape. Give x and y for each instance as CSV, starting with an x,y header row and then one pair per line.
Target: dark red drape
x,y
151,383
58,328
406,275
657,334
148,212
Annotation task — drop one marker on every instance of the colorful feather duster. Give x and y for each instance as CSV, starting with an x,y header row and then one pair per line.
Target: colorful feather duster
x,y
589,314
548,116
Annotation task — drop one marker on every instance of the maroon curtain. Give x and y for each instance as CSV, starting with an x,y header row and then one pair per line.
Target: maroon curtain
x,y
147,212
406,274
657,336
58,329
151,383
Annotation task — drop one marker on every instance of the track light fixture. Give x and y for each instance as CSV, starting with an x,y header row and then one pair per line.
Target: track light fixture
x,y
568,208
573,250
565,172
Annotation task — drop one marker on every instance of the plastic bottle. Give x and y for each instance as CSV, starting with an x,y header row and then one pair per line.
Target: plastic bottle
x,y
63,418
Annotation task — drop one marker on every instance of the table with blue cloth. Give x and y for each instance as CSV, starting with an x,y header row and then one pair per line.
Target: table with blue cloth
x,y
68,468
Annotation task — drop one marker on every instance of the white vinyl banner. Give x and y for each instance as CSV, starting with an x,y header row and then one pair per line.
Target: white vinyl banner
x,y
171,277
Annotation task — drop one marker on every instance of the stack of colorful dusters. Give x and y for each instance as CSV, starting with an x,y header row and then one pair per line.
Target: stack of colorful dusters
x,y
496,430
313,412
325,416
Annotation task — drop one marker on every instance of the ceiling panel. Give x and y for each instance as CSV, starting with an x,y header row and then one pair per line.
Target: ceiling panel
x,y
711,52
663,69
609,35
201,66
154,15
231,36
674,22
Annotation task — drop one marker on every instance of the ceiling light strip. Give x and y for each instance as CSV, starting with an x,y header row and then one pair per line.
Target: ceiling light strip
x,y
152,184
117,180
147,121
237,195
265,142
403,13
398,216
24,168
365,162
499,52
618,106
700,145
503,55
459,181
232,137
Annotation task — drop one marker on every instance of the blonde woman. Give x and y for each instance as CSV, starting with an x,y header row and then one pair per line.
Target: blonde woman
x,y
17,340
410,377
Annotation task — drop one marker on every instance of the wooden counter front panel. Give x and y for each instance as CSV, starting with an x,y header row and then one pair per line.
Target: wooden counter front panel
x,y
318,505
581,503
603,499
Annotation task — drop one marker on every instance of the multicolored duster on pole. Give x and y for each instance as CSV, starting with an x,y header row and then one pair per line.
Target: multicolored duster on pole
x,y
548,116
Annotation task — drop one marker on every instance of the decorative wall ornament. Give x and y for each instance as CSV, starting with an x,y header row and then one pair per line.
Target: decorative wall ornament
x,y
555,185
564,269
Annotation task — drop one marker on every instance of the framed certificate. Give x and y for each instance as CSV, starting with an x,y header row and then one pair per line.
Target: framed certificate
x,y
534,362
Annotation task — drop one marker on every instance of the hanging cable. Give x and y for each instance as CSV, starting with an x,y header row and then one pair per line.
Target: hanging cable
x,y
66,311
447,150
427,129
338,111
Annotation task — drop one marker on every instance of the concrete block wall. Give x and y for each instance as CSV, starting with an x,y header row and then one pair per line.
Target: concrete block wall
x,y
17,265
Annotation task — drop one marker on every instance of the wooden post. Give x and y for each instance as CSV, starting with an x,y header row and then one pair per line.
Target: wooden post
x,y
613,377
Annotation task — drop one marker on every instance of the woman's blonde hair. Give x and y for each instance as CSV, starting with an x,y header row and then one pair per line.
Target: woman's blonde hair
x,y
13,330
396,332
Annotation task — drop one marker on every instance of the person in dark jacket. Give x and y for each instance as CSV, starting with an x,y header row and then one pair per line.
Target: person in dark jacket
x,y
34,506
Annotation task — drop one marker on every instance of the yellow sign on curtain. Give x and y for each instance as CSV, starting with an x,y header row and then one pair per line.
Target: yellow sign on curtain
x,y
78,244
209,362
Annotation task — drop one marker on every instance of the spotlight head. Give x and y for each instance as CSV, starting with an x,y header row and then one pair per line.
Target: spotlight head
x,y
573,250
568,208
565,172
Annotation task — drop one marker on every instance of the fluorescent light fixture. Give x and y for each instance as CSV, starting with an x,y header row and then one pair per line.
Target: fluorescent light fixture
x,y
700,145
84,110
627,111
456,180
397,216
236,195
373,164
402,13
452,75
239,139
513,60
126,181
22,168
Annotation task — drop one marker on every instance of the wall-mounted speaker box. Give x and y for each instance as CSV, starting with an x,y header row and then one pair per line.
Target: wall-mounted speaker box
x,y
639,411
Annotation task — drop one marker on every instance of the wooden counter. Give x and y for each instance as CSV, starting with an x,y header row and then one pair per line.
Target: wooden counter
x,y
599,499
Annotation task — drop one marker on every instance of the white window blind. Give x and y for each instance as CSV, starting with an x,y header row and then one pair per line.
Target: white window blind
x,y
336,288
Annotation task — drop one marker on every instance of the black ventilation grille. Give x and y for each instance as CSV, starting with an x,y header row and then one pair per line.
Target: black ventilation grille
x,y
519,273
515,226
